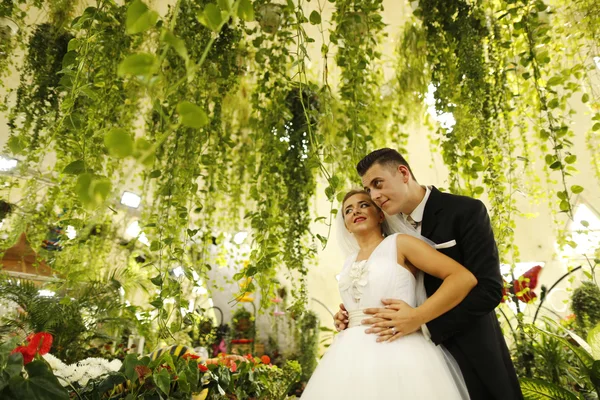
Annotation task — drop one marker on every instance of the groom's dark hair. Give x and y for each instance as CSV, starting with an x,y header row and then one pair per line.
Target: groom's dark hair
x,y
384,157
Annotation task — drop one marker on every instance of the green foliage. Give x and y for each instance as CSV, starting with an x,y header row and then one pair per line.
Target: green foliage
x,y
223,127
534,389
86,315
39,381
307,337
585,303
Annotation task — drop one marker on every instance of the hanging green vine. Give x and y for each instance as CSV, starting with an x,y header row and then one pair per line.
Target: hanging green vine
x,y
358,30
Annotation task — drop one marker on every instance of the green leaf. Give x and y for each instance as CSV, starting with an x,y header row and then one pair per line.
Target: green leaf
x,y
176,43
245,10
14,365
74,168
550,158
39,384
15,145
596,126
570,159
322,239
224,5
139,18
585,98
119,143
555,80
139,64
576,189
537,389
82,188
143,152
100,189
593,339
565,206
157,280
163,381
555,165
192,115
315,18
157,303
553,103
73,44
478,190
595,375
211,17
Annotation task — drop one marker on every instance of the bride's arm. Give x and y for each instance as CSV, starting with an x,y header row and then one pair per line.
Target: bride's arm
x,y
458,281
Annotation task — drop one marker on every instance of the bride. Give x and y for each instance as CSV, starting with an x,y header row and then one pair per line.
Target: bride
x,y
357,366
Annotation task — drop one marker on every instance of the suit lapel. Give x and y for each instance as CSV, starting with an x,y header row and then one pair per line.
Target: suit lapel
x,y
434,205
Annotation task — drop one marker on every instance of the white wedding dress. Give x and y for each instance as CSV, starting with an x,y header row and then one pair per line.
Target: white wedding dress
x,y
357,367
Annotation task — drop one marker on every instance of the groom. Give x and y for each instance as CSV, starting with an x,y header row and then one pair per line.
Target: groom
x,y
461,228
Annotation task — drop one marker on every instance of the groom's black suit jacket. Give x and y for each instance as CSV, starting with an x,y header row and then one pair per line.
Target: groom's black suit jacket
x,y
471,331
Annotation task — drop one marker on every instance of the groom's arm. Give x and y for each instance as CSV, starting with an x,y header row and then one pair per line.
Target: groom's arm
x,y
480,256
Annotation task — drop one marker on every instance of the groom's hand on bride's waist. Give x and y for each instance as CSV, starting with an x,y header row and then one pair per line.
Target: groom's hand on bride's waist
x,y
341,319
393,321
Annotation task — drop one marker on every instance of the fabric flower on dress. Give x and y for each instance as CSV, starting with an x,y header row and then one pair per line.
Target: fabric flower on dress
x,y
356,279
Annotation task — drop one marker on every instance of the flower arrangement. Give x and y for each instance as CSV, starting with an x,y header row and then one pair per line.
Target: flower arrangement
x,y
80,373
29,371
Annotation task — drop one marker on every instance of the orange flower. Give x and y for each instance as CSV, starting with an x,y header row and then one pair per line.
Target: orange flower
x,y
233,367
265,360
190,356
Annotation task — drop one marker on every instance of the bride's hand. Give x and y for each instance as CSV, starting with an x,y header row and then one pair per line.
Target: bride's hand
x,y
341,319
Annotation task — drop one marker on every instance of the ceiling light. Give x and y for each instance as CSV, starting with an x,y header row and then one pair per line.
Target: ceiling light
x,y
130,199
7,164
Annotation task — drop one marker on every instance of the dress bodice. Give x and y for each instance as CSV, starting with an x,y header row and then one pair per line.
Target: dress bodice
x,y
365,283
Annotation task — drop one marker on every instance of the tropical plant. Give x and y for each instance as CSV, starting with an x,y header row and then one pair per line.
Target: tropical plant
x,y
585,303
94,317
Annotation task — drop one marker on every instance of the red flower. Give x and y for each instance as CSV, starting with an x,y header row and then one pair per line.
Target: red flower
x,y
142,371
523,287
233,367
202,367
190,356
26,352
38,343
41,342
265,360
242,341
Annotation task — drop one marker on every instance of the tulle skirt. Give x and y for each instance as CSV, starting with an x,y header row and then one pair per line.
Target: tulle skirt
x,y
357,367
